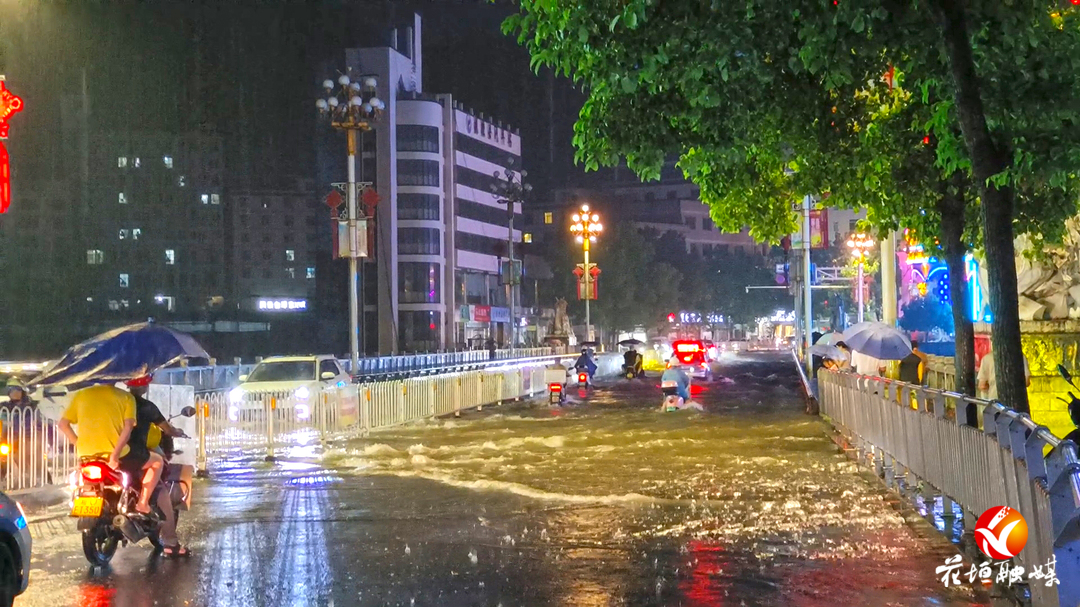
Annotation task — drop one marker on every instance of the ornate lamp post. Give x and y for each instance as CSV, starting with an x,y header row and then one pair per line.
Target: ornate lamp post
x,y
352,106
586,227
860,245
510,188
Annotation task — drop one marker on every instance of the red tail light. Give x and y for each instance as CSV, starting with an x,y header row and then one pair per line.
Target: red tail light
x,y
97,472
583,377
555,387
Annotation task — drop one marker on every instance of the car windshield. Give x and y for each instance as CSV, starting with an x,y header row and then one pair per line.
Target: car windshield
x,y
286,370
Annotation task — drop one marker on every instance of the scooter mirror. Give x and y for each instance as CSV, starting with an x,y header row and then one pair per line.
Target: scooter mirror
x,y
188,412
1064,373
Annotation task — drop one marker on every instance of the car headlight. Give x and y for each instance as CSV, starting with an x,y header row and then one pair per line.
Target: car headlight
x,y
236,395
302,392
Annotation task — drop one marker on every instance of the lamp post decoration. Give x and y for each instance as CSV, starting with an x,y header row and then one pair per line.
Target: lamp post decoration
x,y
9,105
353,106
860,245
586,228
510,189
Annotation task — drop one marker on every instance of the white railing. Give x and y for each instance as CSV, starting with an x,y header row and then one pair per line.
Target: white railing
x,y
269,421
33,451
975,453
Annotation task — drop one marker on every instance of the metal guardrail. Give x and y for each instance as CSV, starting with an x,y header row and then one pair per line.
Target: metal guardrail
x,y
33,451
218,377
265,422
973,452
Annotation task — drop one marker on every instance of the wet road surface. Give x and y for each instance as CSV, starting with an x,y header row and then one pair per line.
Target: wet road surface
x,y
602,502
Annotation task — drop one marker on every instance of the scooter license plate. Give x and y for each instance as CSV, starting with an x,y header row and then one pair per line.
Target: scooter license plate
x,y
87,506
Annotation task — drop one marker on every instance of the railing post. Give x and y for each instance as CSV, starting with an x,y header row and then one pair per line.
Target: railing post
x,y
203,413
270,410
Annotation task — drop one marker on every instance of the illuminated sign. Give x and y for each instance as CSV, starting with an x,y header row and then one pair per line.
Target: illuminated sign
x,y
781,316
9,104
283,305
688,347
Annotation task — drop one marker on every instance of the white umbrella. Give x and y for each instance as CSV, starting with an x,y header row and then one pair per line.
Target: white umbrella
x,y
828,351
830,339
878,340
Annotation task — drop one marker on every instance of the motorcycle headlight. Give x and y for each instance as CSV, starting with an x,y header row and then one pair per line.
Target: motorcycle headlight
x,y
302,392
236,395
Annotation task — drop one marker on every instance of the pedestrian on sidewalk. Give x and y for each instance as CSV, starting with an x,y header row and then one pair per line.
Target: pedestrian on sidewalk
x,y
913,366
986,380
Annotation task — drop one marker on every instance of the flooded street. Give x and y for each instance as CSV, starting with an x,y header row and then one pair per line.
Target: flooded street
x,y
602,502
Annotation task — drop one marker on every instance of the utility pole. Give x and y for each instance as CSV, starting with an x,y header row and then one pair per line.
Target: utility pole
x,y
808,318
888,279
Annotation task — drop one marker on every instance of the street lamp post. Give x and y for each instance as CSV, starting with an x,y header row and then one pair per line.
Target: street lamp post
x,y
586,227
510,188
352,106
860,245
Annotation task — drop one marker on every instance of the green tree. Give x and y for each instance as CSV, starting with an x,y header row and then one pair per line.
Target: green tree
x,y
750,94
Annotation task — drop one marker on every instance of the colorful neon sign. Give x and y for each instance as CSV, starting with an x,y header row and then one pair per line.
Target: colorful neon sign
x,y
9,105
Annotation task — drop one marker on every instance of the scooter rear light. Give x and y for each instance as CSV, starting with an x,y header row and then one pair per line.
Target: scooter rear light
x,y
92,472
582,377
555,387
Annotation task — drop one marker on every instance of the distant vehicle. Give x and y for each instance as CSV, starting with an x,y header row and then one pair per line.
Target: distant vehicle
x,y
712,352
302,377
692,355
15,546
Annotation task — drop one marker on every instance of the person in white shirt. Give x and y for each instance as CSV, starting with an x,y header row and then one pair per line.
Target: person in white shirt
x,y
867,365
986,380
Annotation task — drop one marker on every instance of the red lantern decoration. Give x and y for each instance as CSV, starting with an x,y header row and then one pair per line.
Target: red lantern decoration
x,y
9,104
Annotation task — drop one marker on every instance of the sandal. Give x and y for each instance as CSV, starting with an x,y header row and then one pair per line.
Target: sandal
x,y
177,551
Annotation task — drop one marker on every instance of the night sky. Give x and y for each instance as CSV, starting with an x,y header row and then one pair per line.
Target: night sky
x,y
250,72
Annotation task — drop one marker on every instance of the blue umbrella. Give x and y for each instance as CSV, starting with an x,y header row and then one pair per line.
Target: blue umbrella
x,y
878,340
119,355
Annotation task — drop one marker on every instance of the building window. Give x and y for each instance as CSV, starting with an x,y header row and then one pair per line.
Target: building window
x,y
135,233
182,181
95,257
526,238
417,138
419,330
549,218
707,224
205,198
215,199
265,220
310,272
288,221
168,162
121,198
418,206
124,233
418,282
484,212
137,162
170,257
419,241
266,255
853,224
290,255
121,162
691,222
290,272
125,281
418,172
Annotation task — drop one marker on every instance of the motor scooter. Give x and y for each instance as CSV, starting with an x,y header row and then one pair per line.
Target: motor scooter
x,y
1074,405
104,499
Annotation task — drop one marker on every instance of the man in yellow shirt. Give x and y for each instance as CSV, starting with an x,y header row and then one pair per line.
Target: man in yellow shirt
x,y
105,416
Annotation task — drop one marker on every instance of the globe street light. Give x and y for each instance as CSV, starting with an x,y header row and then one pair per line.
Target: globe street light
x,y
352,106
860,245
510,188
585,229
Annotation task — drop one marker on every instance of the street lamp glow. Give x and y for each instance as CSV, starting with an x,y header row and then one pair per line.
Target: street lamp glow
x,y
576,217
860,245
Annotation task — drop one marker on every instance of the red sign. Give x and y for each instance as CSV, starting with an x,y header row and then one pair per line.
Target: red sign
x,y
333,199
482,313
5,179
370,199
9,104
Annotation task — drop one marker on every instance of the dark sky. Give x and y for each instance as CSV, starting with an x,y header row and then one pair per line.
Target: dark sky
x,y
249,71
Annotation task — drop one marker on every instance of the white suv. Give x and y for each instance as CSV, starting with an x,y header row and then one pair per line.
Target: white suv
x,y
302,377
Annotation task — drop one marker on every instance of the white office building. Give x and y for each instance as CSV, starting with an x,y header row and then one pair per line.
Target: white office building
x,y
439,229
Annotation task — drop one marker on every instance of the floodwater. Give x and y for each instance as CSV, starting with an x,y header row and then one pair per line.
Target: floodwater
x,y
605,501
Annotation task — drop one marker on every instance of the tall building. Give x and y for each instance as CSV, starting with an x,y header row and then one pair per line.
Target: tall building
x,y
153,226
440,232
